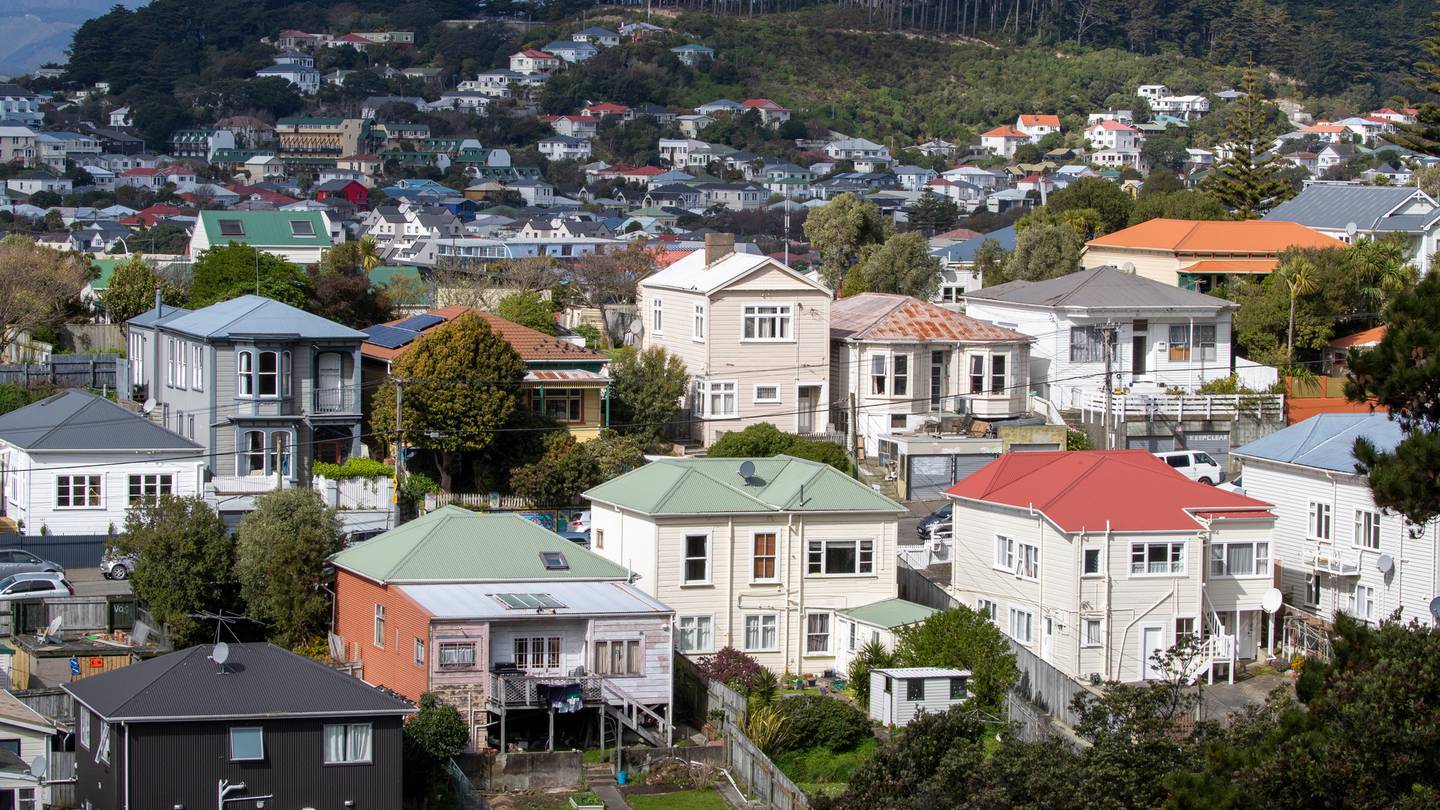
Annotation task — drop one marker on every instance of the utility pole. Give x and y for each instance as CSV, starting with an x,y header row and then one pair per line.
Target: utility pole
x,y
1107,336
399,446
854,430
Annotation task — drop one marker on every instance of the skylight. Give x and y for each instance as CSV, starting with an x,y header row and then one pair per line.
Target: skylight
x,y
554,561
232,227
302,227
528,601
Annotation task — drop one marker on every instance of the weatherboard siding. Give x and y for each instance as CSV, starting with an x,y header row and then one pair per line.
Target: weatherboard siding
x,y
392,665
653,687
34,496
1158,265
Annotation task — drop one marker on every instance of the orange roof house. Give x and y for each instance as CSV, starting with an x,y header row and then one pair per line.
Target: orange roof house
x,y
1200,254
1027,121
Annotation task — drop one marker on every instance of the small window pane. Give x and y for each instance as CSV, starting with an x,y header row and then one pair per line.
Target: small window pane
x,y
247,743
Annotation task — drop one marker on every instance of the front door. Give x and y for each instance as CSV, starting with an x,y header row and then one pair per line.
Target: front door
x,y
1152,641
1139,352
1047,640
1245,634
805,416
937,380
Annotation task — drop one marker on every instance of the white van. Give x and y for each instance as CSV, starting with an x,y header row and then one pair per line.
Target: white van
x,y
1195,465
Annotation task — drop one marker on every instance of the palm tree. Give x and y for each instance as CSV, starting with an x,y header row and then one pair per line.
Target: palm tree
x,y
1299,274
1382,268
368,254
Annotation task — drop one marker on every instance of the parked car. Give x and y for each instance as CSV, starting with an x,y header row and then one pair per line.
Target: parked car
x,y
580,523
115,565
1235,485
939,517
19,561
1195,465
34,585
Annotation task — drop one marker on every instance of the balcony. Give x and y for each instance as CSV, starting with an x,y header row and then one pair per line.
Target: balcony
x,y
1179,406
335,400
516,690
1329,561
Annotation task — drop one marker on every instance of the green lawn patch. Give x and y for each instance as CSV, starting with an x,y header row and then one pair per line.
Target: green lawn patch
x,y
704,799
821,766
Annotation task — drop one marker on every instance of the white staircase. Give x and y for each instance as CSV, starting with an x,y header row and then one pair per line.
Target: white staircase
x,y
635,715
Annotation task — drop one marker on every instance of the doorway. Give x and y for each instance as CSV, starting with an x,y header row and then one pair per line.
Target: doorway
x,y
1152,641
1047,640
328,391
808,396
1139,347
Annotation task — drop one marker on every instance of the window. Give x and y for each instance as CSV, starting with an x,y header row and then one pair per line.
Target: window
x,y
302,227
560,404
853,641
1004,553
959,689
245,374
280,453
1205,343
25,799
1092,633
1029,561
182,361
247,743
618,657
268,378
77,491
420,651
84,728
1179,342
763,569
697,560
251,460
840,557
197,366
599,537
1185,628
1087,344
1312,590
766,322
914,689
657,316
554,561
698,332
347,743
762,632
102,746
1239,559
1157,558
988,608
1021,625
767,393
536,653
232,227
1362,603
145,488
1090,561
694,633
817,633
1319,520
380,626
997,373
977,374
877,373
901,386
720,399
1367,529
457,655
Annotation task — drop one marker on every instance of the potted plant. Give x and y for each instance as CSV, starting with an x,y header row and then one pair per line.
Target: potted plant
x,y
587,798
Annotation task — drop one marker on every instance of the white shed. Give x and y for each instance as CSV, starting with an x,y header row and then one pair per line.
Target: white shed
x,y
897,695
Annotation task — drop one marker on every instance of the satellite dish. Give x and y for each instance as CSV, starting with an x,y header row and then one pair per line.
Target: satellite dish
x,y
149,405
1128,267
221,653
1272,600
747,470
1351,229
39,766
1435,608
636,327
1385,563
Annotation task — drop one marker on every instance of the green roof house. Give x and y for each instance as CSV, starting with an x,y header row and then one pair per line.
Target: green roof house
x,y
877,623
296,236
759,554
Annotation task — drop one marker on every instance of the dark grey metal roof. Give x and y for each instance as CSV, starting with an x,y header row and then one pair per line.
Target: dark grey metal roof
x,y
80,420
1333,206
1100,288
259,680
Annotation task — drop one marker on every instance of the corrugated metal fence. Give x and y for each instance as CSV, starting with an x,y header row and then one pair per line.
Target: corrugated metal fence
x,y
68,550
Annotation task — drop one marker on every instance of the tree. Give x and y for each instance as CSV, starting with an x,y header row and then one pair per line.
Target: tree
x,y
646,388
1246,181
902,265
232,270
1177,205
462,383
933,213
1160,181
132,288
1427,179
558,478
280,553
615,453
1163,153
1299,275
1045,250
1106,199
963,639
433,736
763,440
1424,135
990,262
347,296
839,230
36,286
185,562
600,280
528,309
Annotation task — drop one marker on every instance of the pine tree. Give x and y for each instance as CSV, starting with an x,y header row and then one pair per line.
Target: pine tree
x,y
1424,135
1248,181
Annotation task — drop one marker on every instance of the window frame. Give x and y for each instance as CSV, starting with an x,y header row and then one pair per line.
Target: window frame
x,y
710,391
89,484
1220,564
1369,615
245,373
686,558
988,608
231,743
756,557
828,634
378,636
697,620
863,548
998,379
759,400
324,748
977,374
1029,615
879,374
1008,565
1087,639
1085,554
149,490
753,315
419,650
571,400
443,647
899,377
1320,512
197,366
914,690
1178,350
760,620
1090,348
1027,556
697,327
964,688
1171,562
602,657
1366,526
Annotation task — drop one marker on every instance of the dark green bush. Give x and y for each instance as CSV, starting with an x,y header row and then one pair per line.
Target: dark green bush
x,y
354,467
818,720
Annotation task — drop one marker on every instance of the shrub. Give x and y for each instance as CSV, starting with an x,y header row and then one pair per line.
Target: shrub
x,y
354,467
732,668
872,656
415,486
768,729
818,720
763,440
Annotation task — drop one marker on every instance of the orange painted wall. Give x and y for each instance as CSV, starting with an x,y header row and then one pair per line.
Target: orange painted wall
x,y
394,665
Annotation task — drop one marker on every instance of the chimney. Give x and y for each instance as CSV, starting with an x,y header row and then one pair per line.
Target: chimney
x,y
159,302
718,246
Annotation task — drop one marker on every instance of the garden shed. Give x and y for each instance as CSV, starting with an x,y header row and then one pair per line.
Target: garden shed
x,y
898,694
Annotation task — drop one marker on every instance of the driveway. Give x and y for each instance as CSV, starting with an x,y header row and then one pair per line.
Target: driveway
x,y
89,582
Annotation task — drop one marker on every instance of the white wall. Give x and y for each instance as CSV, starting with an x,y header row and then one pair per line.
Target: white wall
x,y
30,487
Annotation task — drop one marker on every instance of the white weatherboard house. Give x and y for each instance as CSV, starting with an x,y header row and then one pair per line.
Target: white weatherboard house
x,y
25,734
301,237
875,623
761,557
898,695
1335,549
74,463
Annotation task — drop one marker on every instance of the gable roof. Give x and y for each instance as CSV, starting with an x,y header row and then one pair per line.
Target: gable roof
x,y
247,316
531,345
1369,337
703,486
1100,490
1040,120
453,544
1218,236
1100,288
693,275
261,680
1005,131
483,600
267,228
1326,441
888,317
79,420
1333,205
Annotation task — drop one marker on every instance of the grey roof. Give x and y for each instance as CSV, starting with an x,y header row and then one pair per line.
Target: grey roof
x,y
1100,288
966,251
80,420
1327,441
261,680
1333,206
254,315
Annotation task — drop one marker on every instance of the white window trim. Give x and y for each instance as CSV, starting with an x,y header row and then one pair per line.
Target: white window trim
x,y
707,616
708,581
100,499
756,398
377,626
824,541
788,315
1099,573
657,316
705,402
1310,516
1355,537
745,617
699,324
1012,554
230,740
1020,562
829,650
1184,561
1030,625
1225,559
1085,641
775,580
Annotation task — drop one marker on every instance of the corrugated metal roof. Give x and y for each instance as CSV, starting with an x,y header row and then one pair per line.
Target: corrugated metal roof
x,y
530,344
886,316
890,613
1101,287
1326,441
1215,236
253,315
714,486
1333,206
692,274
80,420
923,672
453,544
260,680
477,600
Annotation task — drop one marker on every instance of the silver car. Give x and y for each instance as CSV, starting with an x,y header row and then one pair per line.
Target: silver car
x,y
34,585
116,565
19,561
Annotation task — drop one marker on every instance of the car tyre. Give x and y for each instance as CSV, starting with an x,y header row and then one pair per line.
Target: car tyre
x,y
118,572
1206,481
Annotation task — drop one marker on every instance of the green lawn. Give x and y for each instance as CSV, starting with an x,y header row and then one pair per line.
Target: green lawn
x,y
814,789
705,799
536,801
821,766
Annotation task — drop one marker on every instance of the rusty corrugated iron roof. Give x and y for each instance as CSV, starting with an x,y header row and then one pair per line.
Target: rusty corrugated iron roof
x,y
886,316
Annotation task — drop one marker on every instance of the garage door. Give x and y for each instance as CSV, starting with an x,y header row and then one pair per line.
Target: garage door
x,y
1216,444
929,476
1039,447
1154,444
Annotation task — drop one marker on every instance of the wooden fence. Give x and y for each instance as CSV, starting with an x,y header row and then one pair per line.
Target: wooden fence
x,y
920,589
79,614
757,776
696,695
51,701
105,371
62,779
93,337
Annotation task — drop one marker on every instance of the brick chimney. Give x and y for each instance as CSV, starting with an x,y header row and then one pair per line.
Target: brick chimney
x,y
718,246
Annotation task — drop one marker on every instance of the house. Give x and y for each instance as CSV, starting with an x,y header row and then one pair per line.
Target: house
x,y
19,105
351,191
1332,155
238,724
301,237
899,694
876,623
1337,353
595,35
692,54
405,228
1036,127
264,388
533,61
1404,116
937,147
906,363
757,554
179,177
753,333
572,51
1162,335
1393,174
1097,560
500,618
1200,254
1183,108
25,736
573,126
771,113
1108,134
17,145
75,462
720,106
733,196
914,178
1373,211
566,382
40,179
855,149
1002,141
311,139
564,147
294,67
120,117
1152,92
1335,550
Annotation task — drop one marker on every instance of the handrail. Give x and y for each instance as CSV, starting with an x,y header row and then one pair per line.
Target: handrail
x,y
630,702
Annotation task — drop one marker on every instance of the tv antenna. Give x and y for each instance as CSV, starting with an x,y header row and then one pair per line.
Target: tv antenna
x,y
223,620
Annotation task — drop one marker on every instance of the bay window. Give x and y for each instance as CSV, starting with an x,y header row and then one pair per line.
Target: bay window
x,y
877,373
997,373
901,385
977,374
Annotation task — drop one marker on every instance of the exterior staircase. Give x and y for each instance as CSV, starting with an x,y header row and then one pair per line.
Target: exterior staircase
x,y
630,713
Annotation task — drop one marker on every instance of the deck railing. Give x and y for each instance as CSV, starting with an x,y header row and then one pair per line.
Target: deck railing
x,y
1180,406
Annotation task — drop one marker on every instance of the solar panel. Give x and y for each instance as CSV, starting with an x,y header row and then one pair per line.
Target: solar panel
x,y
528,601
389,337
419,322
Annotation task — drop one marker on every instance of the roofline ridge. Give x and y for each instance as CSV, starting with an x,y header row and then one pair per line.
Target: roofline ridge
x,y
67,419
445,515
